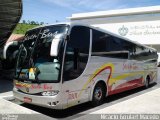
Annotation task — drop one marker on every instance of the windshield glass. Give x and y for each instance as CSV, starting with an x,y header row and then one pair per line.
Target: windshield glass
x,y
34,61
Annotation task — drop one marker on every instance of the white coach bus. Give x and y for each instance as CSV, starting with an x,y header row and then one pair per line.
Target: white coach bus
x,y
62,65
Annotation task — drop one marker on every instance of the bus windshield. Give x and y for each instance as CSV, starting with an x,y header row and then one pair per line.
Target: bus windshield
x,y
34,62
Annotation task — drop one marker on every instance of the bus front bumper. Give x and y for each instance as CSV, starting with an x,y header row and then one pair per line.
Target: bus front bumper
x,y
44,101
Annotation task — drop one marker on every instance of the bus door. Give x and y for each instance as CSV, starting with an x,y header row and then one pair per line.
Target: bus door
x,y
74,71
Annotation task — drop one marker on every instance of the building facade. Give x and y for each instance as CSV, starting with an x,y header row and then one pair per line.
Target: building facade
x,y
138,24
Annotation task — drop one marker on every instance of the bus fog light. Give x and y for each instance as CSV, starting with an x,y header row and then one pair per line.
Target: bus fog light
x,y
53,103
50,93
49,103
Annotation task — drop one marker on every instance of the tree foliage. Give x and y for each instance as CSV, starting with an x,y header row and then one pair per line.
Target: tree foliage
x,y
21,28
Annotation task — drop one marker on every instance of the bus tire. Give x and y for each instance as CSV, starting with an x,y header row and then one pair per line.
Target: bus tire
x,y
147,82
98,94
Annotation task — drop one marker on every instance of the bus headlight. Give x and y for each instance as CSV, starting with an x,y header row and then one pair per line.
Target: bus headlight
x,y
50,93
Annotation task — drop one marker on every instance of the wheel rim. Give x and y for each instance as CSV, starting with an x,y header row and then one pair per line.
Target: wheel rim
x,y
98,94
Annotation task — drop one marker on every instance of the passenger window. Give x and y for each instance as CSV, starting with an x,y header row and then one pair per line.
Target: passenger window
x,y
130,47
99,41
77,52
139,53
108,46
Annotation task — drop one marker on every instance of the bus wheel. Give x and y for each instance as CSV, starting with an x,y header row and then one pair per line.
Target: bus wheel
x,y
147,82
98,94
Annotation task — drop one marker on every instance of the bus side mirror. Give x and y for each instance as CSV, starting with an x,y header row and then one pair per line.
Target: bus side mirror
x,y
55,45
12,43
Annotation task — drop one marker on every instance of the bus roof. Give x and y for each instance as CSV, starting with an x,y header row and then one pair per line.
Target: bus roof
x,y
96,28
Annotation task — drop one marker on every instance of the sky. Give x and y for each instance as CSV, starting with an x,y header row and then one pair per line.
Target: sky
x,y
50,11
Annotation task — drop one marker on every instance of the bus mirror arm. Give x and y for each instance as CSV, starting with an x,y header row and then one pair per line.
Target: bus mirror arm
x,y
67,37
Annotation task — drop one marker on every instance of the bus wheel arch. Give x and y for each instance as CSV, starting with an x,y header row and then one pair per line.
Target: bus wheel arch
x,y
98,94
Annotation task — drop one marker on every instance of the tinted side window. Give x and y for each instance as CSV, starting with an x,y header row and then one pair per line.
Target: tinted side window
x,y
149,54
99,41
107,45
142,53
128,46
77,52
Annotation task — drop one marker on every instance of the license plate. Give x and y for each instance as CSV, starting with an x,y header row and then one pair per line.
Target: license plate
x,y
27,100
